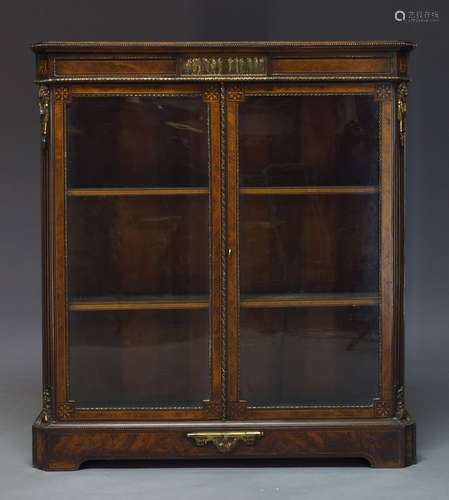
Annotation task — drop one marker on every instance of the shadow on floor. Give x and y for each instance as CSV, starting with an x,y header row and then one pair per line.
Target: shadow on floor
x,y
226,463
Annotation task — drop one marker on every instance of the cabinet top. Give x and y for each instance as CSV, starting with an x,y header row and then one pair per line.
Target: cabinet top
x,y
177,61
130,47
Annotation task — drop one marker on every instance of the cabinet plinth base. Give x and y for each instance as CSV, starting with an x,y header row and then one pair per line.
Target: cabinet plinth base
x,y
385,443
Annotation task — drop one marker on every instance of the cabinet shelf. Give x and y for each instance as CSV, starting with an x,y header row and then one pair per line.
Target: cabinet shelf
x,y
252,301
308,300
137,191
309,190
140,303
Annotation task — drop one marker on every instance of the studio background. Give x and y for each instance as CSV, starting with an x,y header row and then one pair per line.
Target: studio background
x,y
427,241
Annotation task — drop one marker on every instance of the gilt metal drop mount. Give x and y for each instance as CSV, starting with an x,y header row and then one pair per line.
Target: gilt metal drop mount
x,y
401,109
44,111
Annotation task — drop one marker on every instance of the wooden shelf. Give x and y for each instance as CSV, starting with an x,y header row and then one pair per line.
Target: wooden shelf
x,y
138,191
252,301
308,300
309,190
140,303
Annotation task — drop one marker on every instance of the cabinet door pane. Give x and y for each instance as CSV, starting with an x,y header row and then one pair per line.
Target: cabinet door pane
x,y
308,268
137,141
308,244
138,245
139,358
308,140
138,238
308,356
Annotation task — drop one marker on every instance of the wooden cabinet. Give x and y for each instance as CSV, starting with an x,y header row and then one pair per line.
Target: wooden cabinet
x,y
222,251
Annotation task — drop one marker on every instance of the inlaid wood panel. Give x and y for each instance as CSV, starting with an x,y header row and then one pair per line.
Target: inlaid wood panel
x,y
108,67
137,141
329,66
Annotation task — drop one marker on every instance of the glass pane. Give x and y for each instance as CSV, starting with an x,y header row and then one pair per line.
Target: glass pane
x,y
139,358
312,243
138,245
308,140
147,249
316,250
309,356
137,142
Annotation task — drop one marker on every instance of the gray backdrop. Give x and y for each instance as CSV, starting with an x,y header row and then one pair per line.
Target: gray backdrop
x,y
427,241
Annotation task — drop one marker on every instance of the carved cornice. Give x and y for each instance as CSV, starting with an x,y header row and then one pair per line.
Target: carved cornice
x,y
223,78
106,46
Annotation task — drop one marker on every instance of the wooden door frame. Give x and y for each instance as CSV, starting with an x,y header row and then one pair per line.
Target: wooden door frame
x,y
389,252
60,407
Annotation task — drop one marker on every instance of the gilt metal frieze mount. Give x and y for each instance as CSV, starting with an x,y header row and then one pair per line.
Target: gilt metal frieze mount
x,y
221,65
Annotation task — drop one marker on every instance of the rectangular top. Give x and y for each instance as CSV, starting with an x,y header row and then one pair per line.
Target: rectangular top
x,y
130,47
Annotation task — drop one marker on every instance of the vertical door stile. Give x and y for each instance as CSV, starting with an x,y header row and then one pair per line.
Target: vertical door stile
x,y
232,288
233,95
60,97
303,240
212,97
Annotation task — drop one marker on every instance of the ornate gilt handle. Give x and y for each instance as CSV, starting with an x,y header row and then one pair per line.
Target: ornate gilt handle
x,y
225,441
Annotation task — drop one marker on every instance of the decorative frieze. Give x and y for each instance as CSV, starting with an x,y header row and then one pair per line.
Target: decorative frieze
x,y
218,66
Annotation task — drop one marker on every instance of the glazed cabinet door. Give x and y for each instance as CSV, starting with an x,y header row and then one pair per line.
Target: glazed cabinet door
x,y
309,268
137,214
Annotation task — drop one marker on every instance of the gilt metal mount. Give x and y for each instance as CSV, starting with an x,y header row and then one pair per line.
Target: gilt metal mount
x,y
46,404
401,109
225,441
401,412
44,111
218,65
